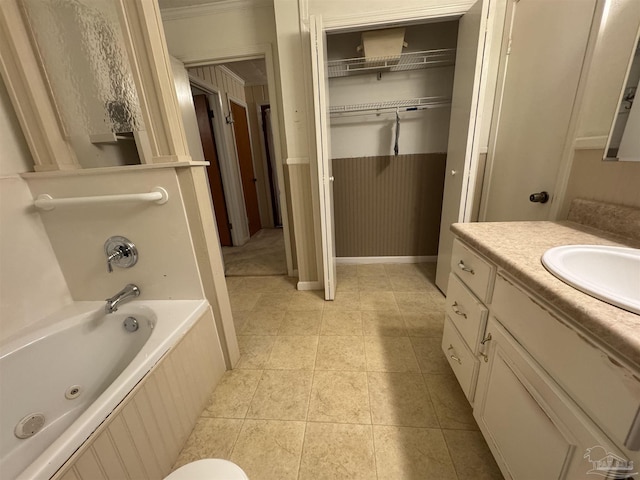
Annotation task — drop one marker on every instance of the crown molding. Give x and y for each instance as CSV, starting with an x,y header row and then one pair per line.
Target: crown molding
x,y
395,15
177,13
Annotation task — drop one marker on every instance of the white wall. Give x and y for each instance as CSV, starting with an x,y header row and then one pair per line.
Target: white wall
x,y
424,131
31,281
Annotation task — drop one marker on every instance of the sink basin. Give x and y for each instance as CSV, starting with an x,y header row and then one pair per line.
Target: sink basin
x,y
611,274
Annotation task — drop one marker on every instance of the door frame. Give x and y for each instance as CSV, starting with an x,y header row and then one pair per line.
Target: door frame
x,y
214,56
407,17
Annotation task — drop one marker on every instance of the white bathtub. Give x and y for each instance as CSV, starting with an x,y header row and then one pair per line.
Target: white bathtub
x,y
78,345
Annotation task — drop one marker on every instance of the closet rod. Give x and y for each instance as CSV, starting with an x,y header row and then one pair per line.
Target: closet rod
x,y
386,110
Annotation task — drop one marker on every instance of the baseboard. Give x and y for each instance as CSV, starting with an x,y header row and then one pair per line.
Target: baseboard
x,y
310,286
396,259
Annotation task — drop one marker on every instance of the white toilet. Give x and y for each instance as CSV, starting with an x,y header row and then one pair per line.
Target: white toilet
x,y
209,469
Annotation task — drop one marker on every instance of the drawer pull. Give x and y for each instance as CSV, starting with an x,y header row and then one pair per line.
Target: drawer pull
x,y
453,356
483,342
457,311
464,268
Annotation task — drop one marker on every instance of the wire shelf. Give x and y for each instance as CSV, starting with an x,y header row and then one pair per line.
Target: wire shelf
x,y
407,61
421,103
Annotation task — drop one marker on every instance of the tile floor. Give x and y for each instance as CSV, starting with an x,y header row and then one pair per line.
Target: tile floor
x,y
357,388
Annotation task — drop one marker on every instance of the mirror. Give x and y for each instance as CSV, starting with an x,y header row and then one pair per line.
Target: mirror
x,y
624,138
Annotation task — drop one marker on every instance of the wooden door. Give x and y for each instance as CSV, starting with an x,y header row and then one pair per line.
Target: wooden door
x,y
213,170
464,128
245,160
323,143
538,81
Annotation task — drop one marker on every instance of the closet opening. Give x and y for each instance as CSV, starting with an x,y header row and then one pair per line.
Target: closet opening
x,y
389,103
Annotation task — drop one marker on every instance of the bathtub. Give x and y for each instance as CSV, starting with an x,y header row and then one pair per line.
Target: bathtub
x,y
74,368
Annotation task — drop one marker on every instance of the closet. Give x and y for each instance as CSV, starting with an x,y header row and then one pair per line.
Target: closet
x,y
389,128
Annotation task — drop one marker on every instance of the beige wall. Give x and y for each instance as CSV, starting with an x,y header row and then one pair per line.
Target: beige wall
x,y
591,177
595,179
31,285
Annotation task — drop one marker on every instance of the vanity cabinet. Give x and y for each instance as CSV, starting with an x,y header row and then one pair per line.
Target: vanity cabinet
x,y
470,286
542,393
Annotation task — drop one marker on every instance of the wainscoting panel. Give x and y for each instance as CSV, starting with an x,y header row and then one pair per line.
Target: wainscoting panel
x,y
388,206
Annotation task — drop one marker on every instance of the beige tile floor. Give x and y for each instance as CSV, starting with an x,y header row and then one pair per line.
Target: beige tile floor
x,y
357,388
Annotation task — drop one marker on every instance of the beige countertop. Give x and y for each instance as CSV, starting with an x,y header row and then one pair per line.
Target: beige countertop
x,y
516,247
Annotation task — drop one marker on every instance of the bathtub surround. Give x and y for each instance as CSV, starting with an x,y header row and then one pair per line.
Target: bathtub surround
x,y
166,268
27,259
32,284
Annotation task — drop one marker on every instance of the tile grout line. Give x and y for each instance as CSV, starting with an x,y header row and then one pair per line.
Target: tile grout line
x,y
455,468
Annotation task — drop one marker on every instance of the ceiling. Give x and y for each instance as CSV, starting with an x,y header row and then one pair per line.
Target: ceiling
x,y
253,72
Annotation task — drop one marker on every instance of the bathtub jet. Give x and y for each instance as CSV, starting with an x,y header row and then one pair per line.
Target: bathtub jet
x,y
128,293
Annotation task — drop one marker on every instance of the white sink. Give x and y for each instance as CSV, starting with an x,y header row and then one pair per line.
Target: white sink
x,y
611,274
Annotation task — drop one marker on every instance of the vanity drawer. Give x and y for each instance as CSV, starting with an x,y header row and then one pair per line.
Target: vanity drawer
x,y
474,271
467,313
462,361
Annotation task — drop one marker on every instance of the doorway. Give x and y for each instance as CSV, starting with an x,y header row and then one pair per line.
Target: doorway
x,y
244,141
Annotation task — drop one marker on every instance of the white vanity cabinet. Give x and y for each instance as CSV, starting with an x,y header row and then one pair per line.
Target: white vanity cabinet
x,y
542,393
531,426
470,284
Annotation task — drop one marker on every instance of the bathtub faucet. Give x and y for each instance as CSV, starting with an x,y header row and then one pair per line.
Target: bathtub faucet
x,y
126,294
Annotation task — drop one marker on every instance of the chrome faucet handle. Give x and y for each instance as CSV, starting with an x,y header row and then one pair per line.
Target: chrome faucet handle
x,y
115,255
121,252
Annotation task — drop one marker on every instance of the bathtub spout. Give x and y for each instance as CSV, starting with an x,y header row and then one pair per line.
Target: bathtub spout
x,y
128,293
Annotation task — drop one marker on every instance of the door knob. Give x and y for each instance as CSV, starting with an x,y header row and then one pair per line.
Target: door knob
x,y
540,197
331,179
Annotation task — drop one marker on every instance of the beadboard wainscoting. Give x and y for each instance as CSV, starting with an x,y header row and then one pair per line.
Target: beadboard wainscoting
x,y
388,206
145,433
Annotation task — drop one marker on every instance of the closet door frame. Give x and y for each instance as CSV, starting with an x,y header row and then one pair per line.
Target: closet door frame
x,y
399,17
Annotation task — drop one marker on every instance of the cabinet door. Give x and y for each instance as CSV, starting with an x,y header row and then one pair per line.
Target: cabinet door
x,y
532,428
